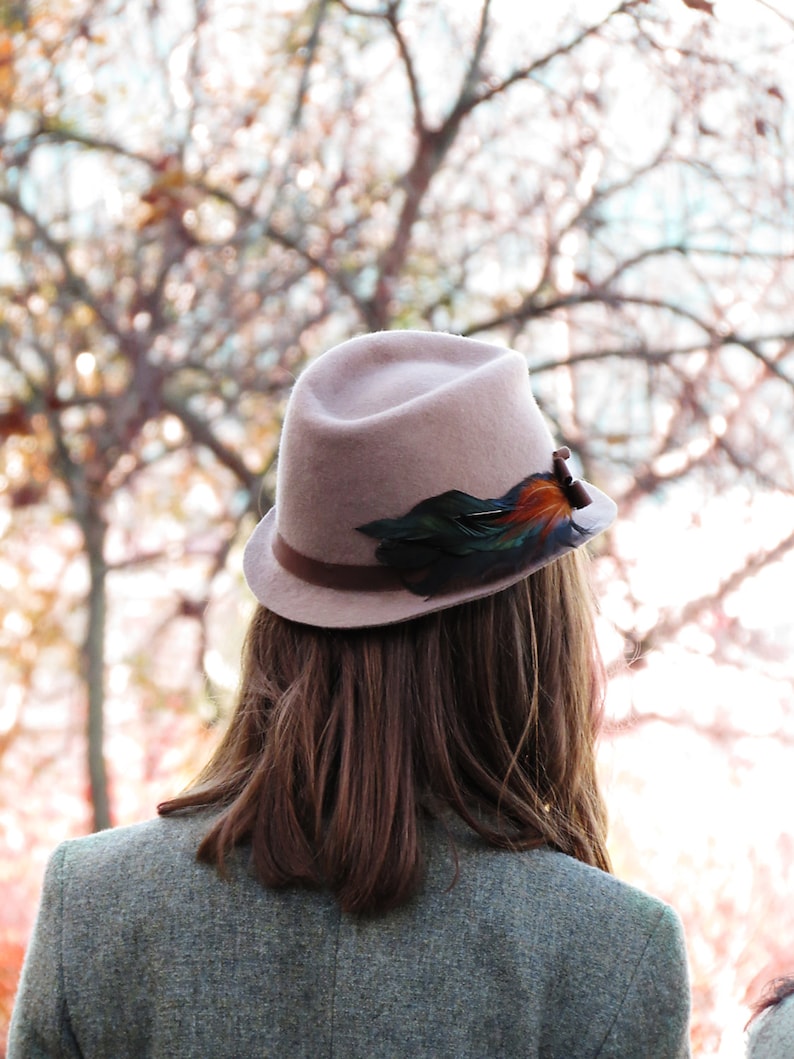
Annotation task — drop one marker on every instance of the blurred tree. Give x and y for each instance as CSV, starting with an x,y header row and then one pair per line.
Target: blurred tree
x,y
196,197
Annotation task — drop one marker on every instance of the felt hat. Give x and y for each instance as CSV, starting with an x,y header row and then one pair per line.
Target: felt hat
x,y
415,472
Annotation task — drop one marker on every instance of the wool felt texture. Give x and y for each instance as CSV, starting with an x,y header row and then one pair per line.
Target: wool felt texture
x,y
140,951
373,427
771,1035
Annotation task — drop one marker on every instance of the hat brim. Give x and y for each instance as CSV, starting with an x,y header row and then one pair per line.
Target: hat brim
x,y
302,601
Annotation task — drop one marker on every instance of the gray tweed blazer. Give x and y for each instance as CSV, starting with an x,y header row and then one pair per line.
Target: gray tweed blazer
x,y
139,951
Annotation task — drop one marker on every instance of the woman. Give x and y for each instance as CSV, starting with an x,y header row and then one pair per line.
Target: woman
x,y
398,849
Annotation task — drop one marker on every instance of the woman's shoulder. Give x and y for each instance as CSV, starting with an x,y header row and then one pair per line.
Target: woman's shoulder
x,y
583,889
140,880
166,832
542,892
161,847
598,910
543,874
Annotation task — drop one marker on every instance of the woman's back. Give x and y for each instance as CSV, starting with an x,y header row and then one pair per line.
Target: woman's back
x,y
528,954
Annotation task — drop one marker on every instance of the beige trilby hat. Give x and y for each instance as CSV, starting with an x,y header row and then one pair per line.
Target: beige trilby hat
x,y
415,472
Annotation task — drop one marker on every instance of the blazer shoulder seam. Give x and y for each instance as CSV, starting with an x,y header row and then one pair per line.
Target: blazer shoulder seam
x,y
664,913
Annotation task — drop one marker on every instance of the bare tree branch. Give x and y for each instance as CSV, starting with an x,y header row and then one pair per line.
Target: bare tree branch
x,y
776,11
391,16
311,49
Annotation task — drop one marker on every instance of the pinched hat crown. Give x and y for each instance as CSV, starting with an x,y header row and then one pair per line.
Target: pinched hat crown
x,y
415,472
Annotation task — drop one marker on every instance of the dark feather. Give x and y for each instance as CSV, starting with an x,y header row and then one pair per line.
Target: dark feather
x,y
456,537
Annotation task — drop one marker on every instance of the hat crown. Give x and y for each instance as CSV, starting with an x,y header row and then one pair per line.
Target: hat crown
x,y
380,389
384,421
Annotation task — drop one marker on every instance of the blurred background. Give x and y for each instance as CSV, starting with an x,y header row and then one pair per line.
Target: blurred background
x,y
198,196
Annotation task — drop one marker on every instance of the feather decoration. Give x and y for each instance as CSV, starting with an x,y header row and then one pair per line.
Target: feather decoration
x,y
458,537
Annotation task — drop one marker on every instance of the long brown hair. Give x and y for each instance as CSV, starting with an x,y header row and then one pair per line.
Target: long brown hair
x,y
343,738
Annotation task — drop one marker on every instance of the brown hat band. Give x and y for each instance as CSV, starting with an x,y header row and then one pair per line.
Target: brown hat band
x,y
334,575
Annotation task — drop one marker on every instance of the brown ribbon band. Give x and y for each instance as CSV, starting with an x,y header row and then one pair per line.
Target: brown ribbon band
x,y
335,575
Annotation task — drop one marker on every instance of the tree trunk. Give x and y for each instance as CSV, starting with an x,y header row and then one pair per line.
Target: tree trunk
x,y
94,530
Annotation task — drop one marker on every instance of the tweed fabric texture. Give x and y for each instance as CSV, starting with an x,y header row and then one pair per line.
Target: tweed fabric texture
x,y
139,951
771,1035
